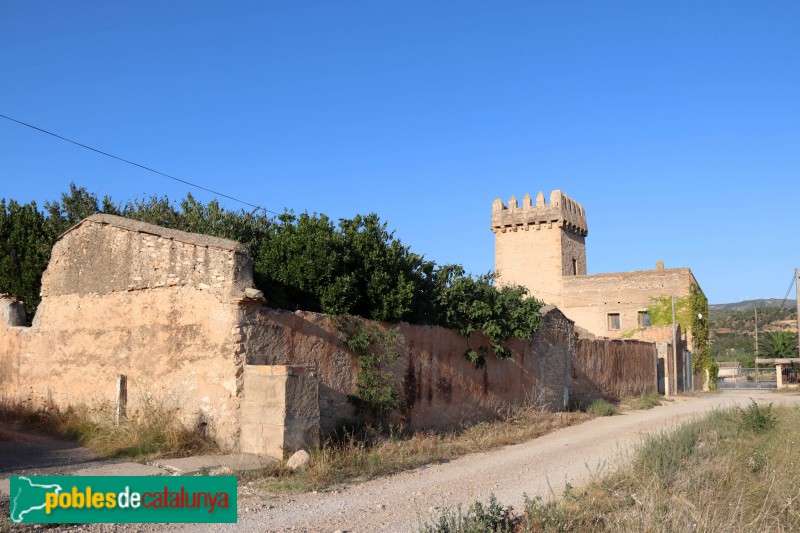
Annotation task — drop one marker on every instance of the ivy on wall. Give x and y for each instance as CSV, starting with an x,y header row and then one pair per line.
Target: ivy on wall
x,y
691,312
375,395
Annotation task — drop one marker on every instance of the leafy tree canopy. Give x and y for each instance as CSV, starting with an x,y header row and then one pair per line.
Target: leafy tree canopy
x,y
777,345
305,261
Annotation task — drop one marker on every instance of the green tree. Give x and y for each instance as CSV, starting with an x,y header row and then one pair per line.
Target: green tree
x,y
27,236
476,305
778,345
306,261
26,239
298,265
73,208
359,268
383,272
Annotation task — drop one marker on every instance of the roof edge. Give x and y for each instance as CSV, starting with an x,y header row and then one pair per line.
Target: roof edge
x,y
633,273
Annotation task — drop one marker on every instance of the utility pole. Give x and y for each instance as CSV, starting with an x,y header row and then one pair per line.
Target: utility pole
x,y
797,301
674,349
756,332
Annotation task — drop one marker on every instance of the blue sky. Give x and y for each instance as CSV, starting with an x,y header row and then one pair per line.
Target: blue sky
x,y
676,124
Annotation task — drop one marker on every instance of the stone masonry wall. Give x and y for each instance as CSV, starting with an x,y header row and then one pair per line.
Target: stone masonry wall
x,y
105,254
121,297
439,388
535,244
573,247
589,299
531,257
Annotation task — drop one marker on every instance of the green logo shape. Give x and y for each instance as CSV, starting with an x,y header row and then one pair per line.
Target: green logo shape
x,y
122,499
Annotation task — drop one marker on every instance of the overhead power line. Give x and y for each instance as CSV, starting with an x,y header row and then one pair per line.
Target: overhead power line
x,y
785,297
128,161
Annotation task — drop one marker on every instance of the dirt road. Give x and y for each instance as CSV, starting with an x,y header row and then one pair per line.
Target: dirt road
x,y
539,467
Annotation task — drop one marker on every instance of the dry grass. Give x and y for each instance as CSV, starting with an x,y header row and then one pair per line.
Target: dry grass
x,y
732,471
787,390
645,401
367,455
151,431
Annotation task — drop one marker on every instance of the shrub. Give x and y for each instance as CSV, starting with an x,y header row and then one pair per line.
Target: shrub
x,y
492,518
646,401
756,419
602,408
540,516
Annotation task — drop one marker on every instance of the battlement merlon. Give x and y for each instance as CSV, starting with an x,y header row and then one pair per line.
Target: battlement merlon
x,y
562,211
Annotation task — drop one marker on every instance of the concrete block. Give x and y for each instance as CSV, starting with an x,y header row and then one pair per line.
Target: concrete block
x,y
264,413
262,439
280,409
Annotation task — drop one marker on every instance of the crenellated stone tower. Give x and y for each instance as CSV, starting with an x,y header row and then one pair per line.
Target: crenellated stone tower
x,y
538,245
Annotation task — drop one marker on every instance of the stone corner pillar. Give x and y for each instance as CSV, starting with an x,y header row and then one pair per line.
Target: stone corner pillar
x,y
279,410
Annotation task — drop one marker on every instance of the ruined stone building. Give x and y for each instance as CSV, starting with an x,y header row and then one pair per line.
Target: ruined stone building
x,y
178,315
542,246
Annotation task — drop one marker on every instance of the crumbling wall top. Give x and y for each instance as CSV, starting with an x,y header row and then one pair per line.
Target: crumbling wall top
x,y
151,229
562,210
104,254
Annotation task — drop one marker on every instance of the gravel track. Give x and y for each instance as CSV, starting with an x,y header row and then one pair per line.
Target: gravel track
x,y
540,467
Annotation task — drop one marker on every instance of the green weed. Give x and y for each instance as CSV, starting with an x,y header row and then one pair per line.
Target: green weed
x,y
645,401
479,518
756,418
602,408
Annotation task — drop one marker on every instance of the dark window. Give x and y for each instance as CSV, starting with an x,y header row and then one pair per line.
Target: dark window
x,y
613,321
574,267
644,319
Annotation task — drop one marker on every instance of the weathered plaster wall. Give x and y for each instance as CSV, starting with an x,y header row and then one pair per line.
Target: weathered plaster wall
x,y
439,387
654,334
531,257
120,298
12,320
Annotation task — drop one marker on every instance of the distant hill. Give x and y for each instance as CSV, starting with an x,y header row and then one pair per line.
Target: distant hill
x,y
732,326
752,304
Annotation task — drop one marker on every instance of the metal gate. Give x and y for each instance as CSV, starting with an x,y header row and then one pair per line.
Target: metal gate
x,y
750,378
